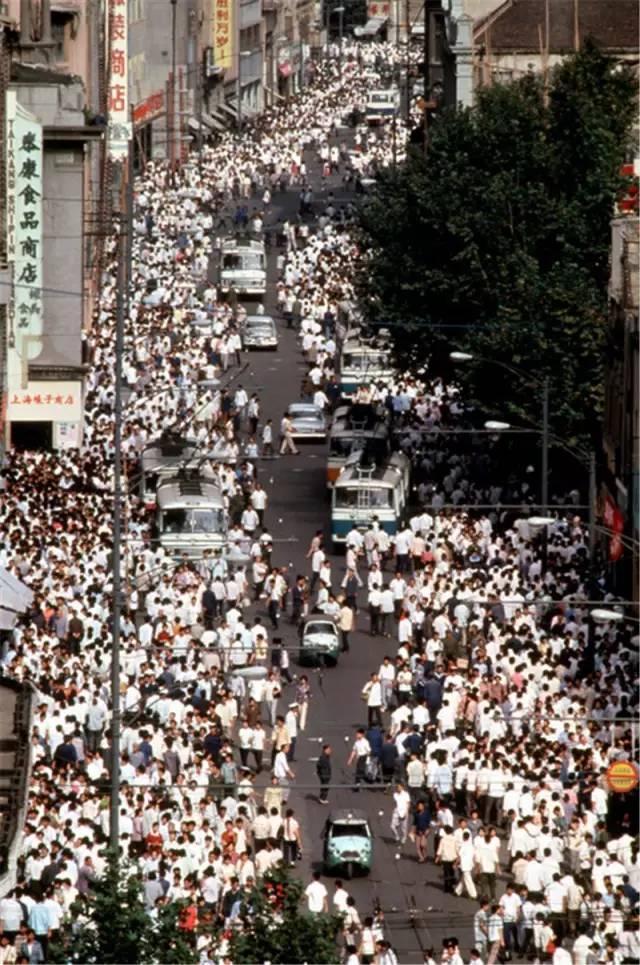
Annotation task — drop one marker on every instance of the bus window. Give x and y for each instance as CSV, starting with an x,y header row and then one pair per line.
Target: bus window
x,y
193,521
361,498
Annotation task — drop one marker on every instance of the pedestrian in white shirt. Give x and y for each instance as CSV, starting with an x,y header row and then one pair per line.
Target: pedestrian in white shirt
x,y
400,815
317,895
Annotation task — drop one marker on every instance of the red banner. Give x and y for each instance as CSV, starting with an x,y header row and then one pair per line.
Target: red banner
x,y
614,521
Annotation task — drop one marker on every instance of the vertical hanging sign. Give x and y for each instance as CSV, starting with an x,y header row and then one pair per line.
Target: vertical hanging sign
x,y
119,126
223,33
24,227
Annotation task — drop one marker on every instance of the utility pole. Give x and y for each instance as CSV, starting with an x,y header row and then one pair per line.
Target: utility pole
x,y
239,111
407,40
544,482
172,112
593,506
426,87
123,290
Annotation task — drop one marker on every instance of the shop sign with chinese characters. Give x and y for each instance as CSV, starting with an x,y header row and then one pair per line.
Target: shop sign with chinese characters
x,y
222,40
376,10
45,402
119,127
24,226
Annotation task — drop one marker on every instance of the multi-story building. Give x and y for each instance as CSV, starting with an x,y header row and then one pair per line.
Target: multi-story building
x,y
522,36
52,180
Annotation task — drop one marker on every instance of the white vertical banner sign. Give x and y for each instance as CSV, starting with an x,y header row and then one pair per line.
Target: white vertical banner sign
x,y
119,125
24,228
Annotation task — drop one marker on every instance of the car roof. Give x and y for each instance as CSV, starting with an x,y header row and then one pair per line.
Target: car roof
x,y
257,319
304,407
346,816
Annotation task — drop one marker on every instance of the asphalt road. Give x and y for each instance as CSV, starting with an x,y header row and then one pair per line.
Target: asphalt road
x,y
418,914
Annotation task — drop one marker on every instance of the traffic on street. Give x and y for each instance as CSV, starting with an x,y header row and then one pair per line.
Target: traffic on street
x,y
352,647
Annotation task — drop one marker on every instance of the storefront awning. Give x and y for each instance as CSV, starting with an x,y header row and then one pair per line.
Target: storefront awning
x,y
213,123
228,111
371,27
195,125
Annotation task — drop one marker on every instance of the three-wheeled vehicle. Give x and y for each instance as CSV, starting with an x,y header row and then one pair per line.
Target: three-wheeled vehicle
x,y
348,843
319,641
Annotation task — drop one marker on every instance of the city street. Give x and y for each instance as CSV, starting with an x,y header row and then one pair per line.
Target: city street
x,y
418,913
159,800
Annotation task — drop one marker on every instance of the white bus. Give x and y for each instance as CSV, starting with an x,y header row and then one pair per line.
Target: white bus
x,y
161,460
357,428
191,516
381,105
243,266
361,364
364,494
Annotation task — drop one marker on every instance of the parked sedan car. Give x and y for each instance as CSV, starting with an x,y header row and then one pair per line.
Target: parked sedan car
x,y
348,843
319,641
308,421
259,331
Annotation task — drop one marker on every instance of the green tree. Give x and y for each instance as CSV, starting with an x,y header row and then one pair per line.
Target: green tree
x,y
497,241
114,927
277,929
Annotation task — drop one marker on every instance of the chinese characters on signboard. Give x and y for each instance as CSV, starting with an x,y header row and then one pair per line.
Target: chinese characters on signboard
x,y
24,226
148,109
377,10
45,402
222,41
119,129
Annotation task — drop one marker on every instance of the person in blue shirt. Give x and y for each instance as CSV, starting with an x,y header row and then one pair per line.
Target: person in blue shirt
x,y
421,827
40,924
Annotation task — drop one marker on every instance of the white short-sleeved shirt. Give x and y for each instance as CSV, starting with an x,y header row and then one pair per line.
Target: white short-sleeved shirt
x,y
316,894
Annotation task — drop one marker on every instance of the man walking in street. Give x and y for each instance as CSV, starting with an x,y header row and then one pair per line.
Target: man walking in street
x,y
286,433
359,754
446,855
323,770
400,816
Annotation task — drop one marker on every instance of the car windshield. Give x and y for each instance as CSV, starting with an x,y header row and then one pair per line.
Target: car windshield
x,y
349,830
303,411
360,498
193,521
259,325
319,628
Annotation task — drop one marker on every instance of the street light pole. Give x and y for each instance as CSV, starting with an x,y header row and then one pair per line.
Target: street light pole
x,y
593,506
426,87
239,94
341,24
125,250
544,488
172,112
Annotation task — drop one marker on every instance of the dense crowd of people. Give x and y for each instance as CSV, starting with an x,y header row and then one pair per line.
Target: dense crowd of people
x,y
494,716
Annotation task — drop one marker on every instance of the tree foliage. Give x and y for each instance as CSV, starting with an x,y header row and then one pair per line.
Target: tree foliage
x,y
497,241
278,929
115,927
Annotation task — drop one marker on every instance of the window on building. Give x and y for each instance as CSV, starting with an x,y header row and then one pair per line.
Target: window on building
x,y
136,10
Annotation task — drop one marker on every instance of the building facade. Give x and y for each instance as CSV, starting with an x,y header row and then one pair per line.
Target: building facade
x,y
53,173
522,36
